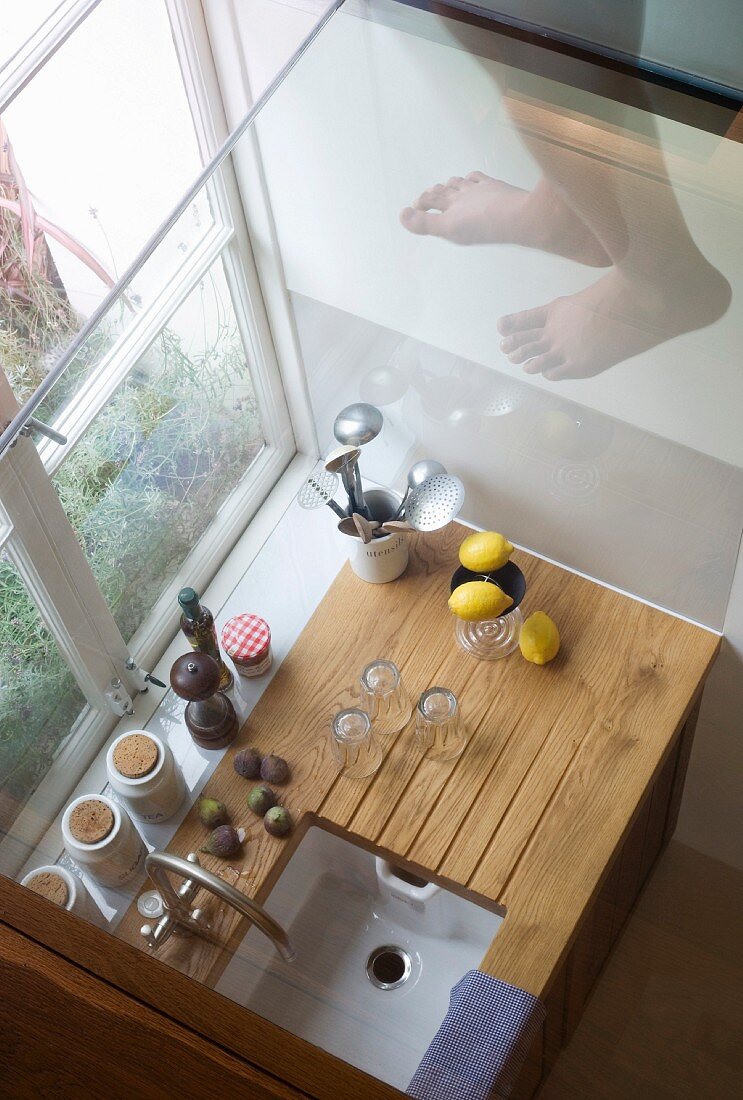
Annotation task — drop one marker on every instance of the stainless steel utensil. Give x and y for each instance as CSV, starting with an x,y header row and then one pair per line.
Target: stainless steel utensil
x,y
318,489
358,424
344,460
423,469
417,474
434,503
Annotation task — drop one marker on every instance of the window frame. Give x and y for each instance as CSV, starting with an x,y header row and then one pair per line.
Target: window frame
x,y
39,47
25,473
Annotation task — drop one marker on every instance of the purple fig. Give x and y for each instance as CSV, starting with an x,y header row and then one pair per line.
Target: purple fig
x,y
274,769
247,763
224,841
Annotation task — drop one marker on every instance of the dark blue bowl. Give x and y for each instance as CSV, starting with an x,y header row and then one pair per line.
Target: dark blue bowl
x,y
509,578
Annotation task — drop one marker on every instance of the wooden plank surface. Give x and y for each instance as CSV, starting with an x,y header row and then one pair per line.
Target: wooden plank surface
x,y
558,759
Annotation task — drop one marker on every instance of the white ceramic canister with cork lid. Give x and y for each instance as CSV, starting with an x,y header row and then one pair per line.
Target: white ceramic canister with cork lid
x,y
59,886
143,772
100,837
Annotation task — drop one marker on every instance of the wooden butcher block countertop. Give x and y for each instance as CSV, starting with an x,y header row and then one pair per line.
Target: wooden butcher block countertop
x,y
529,816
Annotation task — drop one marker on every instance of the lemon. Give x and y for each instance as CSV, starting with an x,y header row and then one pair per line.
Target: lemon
x,y
539,640
479,600
558,432
485,551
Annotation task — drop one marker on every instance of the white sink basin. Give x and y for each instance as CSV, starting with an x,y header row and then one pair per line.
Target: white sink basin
x,y
340,904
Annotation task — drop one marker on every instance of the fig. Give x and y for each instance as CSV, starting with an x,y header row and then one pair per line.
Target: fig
x,y
274,769
247,763
261,799
212,812
277,821
224,841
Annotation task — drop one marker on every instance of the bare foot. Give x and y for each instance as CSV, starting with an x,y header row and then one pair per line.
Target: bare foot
x,y
476,209
612,320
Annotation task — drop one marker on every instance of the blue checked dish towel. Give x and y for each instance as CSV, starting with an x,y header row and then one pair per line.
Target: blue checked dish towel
x,y
479,1049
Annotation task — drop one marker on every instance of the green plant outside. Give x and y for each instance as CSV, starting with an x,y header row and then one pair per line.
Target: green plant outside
x,y
140,489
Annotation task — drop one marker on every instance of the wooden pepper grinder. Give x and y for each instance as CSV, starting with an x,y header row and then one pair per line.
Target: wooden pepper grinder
x,y
210,716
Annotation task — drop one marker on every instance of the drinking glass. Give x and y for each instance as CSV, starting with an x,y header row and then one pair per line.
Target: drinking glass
x,y
384,698
354,748
492,638
439,731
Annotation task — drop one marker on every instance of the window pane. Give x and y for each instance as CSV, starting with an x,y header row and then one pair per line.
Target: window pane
x,y
40,701
151,471
104,141
19,21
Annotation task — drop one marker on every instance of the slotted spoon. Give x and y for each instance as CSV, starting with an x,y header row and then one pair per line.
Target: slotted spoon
x,y
434,503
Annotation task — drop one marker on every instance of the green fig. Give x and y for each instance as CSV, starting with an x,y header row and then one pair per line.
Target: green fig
x,y
274,769
261,799
277,821
247,763
212,812
224,841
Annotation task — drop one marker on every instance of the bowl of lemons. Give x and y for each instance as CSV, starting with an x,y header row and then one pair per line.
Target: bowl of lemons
x,y
486,591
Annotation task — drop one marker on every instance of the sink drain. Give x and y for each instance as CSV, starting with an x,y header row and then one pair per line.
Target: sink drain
x,y
388,967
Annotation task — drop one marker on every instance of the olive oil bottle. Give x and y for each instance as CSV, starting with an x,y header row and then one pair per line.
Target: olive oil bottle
x,y
197,623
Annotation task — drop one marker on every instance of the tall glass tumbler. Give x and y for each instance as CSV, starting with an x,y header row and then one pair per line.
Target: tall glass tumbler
x,y
384,698
439,730
354,748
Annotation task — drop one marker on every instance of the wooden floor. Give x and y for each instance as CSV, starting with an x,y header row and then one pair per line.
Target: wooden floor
x,y
665,1021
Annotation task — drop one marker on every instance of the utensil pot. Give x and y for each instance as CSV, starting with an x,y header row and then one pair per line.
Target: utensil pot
x,y
383,559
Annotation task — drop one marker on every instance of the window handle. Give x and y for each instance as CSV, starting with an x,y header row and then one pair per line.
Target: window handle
x,y
34,425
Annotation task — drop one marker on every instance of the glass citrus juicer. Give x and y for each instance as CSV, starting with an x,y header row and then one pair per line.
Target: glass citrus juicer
x,y
491,639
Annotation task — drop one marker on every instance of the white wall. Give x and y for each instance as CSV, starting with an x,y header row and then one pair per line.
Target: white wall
x,y
644,490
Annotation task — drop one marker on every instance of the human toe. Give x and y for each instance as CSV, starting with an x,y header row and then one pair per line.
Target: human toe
x,y
540,364
437,197
529,351
421,222
516,322
516,339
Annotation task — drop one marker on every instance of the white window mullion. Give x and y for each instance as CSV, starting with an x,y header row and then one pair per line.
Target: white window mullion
x,y
60,619
40,46
45,548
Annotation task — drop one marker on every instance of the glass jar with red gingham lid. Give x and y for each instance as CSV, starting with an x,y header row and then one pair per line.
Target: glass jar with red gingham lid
x,y
246,639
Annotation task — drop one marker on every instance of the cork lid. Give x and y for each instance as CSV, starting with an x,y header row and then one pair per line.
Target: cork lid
x,y
91,821
135,756
50,886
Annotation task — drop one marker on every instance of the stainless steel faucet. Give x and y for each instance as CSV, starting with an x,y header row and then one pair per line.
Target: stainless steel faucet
x,y
178,911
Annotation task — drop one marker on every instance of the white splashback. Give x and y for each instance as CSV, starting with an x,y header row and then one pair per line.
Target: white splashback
x,y
626,506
